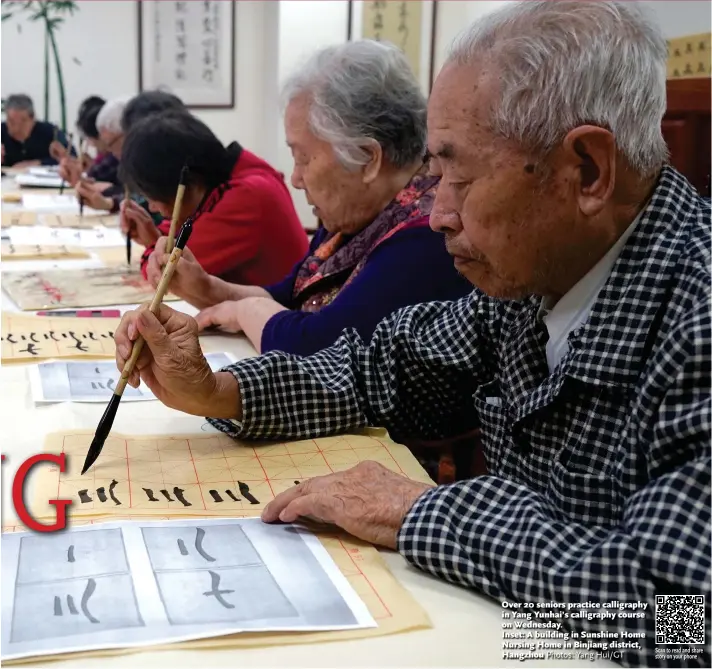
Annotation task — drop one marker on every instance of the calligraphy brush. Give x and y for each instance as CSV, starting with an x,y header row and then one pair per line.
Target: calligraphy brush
x,y
69,146
127,196
107,420
176,207
81,199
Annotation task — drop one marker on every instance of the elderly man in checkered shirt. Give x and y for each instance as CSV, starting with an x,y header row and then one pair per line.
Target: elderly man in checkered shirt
x,y
584,353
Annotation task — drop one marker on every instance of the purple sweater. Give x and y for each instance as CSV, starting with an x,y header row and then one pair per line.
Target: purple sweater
x,y
410,267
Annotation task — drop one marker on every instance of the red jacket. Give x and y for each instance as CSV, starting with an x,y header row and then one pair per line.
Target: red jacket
x,y
247,230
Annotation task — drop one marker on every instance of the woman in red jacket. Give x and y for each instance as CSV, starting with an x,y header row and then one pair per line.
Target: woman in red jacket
x,y
246,229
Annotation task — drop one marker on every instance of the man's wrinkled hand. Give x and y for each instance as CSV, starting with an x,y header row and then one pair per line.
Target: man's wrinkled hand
x,y
172,363
368,501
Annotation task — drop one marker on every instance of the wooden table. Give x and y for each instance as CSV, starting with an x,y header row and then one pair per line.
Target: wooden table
x,y
467,628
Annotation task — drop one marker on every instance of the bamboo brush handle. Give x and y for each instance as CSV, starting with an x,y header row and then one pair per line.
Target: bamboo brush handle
x,y
174,219
155,303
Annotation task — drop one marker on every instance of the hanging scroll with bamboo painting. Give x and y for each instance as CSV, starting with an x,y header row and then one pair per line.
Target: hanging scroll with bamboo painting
x,y
188,48
410,25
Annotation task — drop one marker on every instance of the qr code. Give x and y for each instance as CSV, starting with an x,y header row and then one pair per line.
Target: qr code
x,y
679,619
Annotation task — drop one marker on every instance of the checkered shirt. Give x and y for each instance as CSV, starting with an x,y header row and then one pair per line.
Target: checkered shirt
x,y
599,483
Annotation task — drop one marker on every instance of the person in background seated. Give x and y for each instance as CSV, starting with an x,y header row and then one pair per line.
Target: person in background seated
x,y
25,140
103,167
134,212
110,138
355,121
148,102
245,226
112,122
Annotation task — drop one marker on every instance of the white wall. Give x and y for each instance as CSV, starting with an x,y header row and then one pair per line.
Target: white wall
x,y
677,18
102,37
682,17
453,17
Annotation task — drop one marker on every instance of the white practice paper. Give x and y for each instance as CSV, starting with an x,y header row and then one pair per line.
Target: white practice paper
x,y
139,583
99,236
40,181
80,381
54,203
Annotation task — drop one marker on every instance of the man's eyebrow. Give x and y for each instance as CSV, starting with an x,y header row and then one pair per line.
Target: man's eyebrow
x,y
445,151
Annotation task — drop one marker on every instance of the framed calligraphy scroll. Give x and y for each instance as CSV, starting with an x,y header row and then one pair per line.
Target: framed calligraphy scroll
x,y
409,24
188,48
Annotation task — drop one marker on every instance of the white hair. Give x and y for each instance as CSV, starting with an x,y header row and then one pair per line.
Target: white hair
x,y
109,117
361,92
564,63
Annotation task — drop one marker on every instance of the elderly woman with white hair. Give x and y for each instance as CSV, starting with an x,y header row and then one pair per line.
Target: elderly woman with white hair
x,y
97,194
355,122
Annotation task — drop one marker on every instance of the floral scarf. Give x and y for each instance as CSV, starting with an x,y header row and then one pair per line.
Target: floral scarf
x,y
336,262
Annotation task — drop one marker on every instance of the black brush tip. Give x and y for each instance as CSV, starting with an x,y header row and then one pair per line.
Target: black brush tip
x,y
102,432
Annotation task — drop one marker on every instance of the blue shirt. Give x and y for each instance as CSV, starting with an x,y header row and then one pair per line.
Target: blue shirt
x,y
410,267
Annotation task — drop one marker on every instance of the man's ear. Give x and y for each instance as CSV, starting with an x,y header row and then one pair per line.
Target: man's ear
x,y
591,152
373,166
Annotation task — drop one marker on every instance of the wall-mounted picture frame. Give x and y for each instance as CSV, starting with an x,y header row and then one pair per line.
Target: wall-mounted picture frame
x,y
409,24
188,48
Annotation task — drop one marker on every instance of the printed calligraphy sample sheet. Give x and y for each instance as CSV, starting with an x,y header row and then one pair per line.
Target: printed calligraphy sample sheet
x,y
93,287
33,338
76,381
125,584
10,251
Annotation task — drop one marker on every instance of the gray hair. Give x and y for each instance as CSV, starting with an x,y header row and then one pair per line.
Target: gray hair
x,y
361,92
110,115
567,63
21,102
